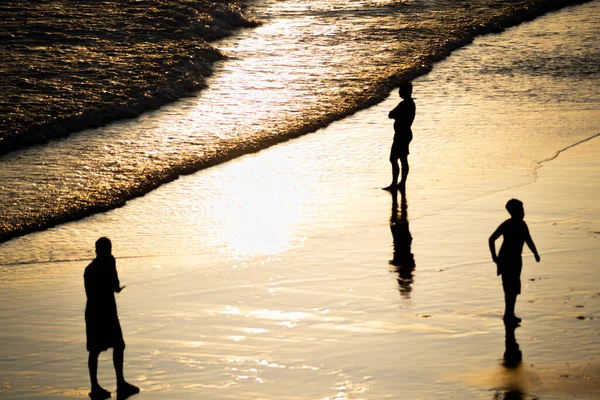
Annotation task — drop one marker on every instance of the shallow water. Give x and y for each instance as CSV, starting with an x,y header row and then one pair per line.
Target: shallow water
x,y
455,156
308,64
269,276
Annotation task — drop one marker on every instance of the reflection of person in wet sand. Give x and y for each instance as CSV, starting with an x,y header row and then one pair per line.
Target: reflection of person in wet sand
x,y
403,116
512,354
103,329
515,233
512,361
403,260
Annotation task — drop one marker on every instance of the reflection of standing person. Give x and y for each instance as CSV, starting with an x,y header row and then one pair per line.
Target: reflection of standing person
x,y
403,116
515,233
103,329
512,353
403,259
512,362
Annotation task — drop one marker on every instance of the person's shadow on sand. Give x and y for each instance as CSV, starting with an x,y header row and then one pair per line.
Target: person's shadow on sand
x,y
512,362
403,261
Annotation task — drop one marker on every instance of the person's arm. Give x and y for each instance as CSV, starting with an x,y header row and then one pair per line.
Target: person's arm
x,y
492,243
88,287
394,113
115,277
530,244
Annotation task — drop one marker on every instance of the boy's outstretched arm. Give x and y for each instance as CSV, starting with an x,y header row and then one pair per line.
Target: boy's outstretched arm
x,y
531,246
492,243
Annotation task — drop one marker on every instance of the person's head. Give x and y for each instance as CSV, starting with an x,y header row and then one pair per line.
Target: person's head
x,y
405,90
515,208
103,246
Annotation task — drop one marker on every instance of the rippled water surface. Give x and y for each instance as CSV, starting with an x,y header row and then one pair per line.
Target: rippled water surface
x,y
270,276
309,63
68,65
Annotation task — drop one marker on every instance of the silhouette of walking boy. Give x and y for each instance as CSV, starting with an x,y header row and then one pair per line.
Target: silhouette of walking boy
x,y
509,263
403,116
103,329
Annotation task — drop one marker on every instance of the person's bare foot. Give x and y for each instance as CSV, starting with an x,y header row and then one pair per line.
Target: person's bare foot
x,y
512,319
99,393
124,390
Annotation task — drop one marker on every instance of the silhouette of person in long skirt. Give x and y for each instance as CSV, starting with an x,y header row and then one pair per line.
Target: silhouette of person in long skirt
x,y
402,260
403,116
103,329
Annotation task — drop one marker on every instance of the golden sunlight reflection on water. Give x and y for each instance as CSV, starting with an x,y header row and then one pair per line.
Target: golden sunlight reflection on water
x,y
549,379
251,279
257,214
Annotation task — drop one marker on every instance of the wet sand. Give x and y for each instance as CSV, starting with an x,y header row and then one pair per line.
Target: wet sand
x,y
327,316
273,276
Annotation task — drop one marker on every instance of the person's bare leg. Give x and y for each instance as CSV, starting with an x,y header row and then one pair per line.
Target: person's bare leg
x,y
395,174
513,309
93,367
118,363
97,390
405,169
509,312
124,389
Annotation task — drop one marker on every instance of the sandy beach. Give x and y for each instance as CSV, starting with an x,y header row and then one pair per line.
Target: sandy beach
x,y
325,316
273,276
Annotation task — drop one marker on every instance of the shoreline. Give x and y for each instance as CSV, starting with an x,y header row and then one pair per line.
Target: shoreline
x,y
162,177
101,115
289,274
210,323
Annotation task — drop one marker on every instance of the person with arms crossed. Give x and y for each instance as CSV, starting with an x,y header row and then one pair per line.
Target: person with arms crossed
x,y
403,116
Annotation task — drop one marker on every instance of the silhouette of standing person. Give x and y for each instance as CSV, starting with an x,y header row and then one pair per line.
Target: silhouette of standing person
x,y
402,259
509,263
403,116
103,329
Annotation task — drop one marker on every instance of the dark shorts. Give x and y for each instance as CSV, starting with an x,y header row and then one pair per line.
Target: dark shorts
x,y
511,284
511,276
399,150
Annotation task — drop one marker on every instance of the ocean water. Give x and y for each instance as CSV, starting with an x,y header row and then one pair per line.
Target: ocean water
x,y
307,64
68,65
269,277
